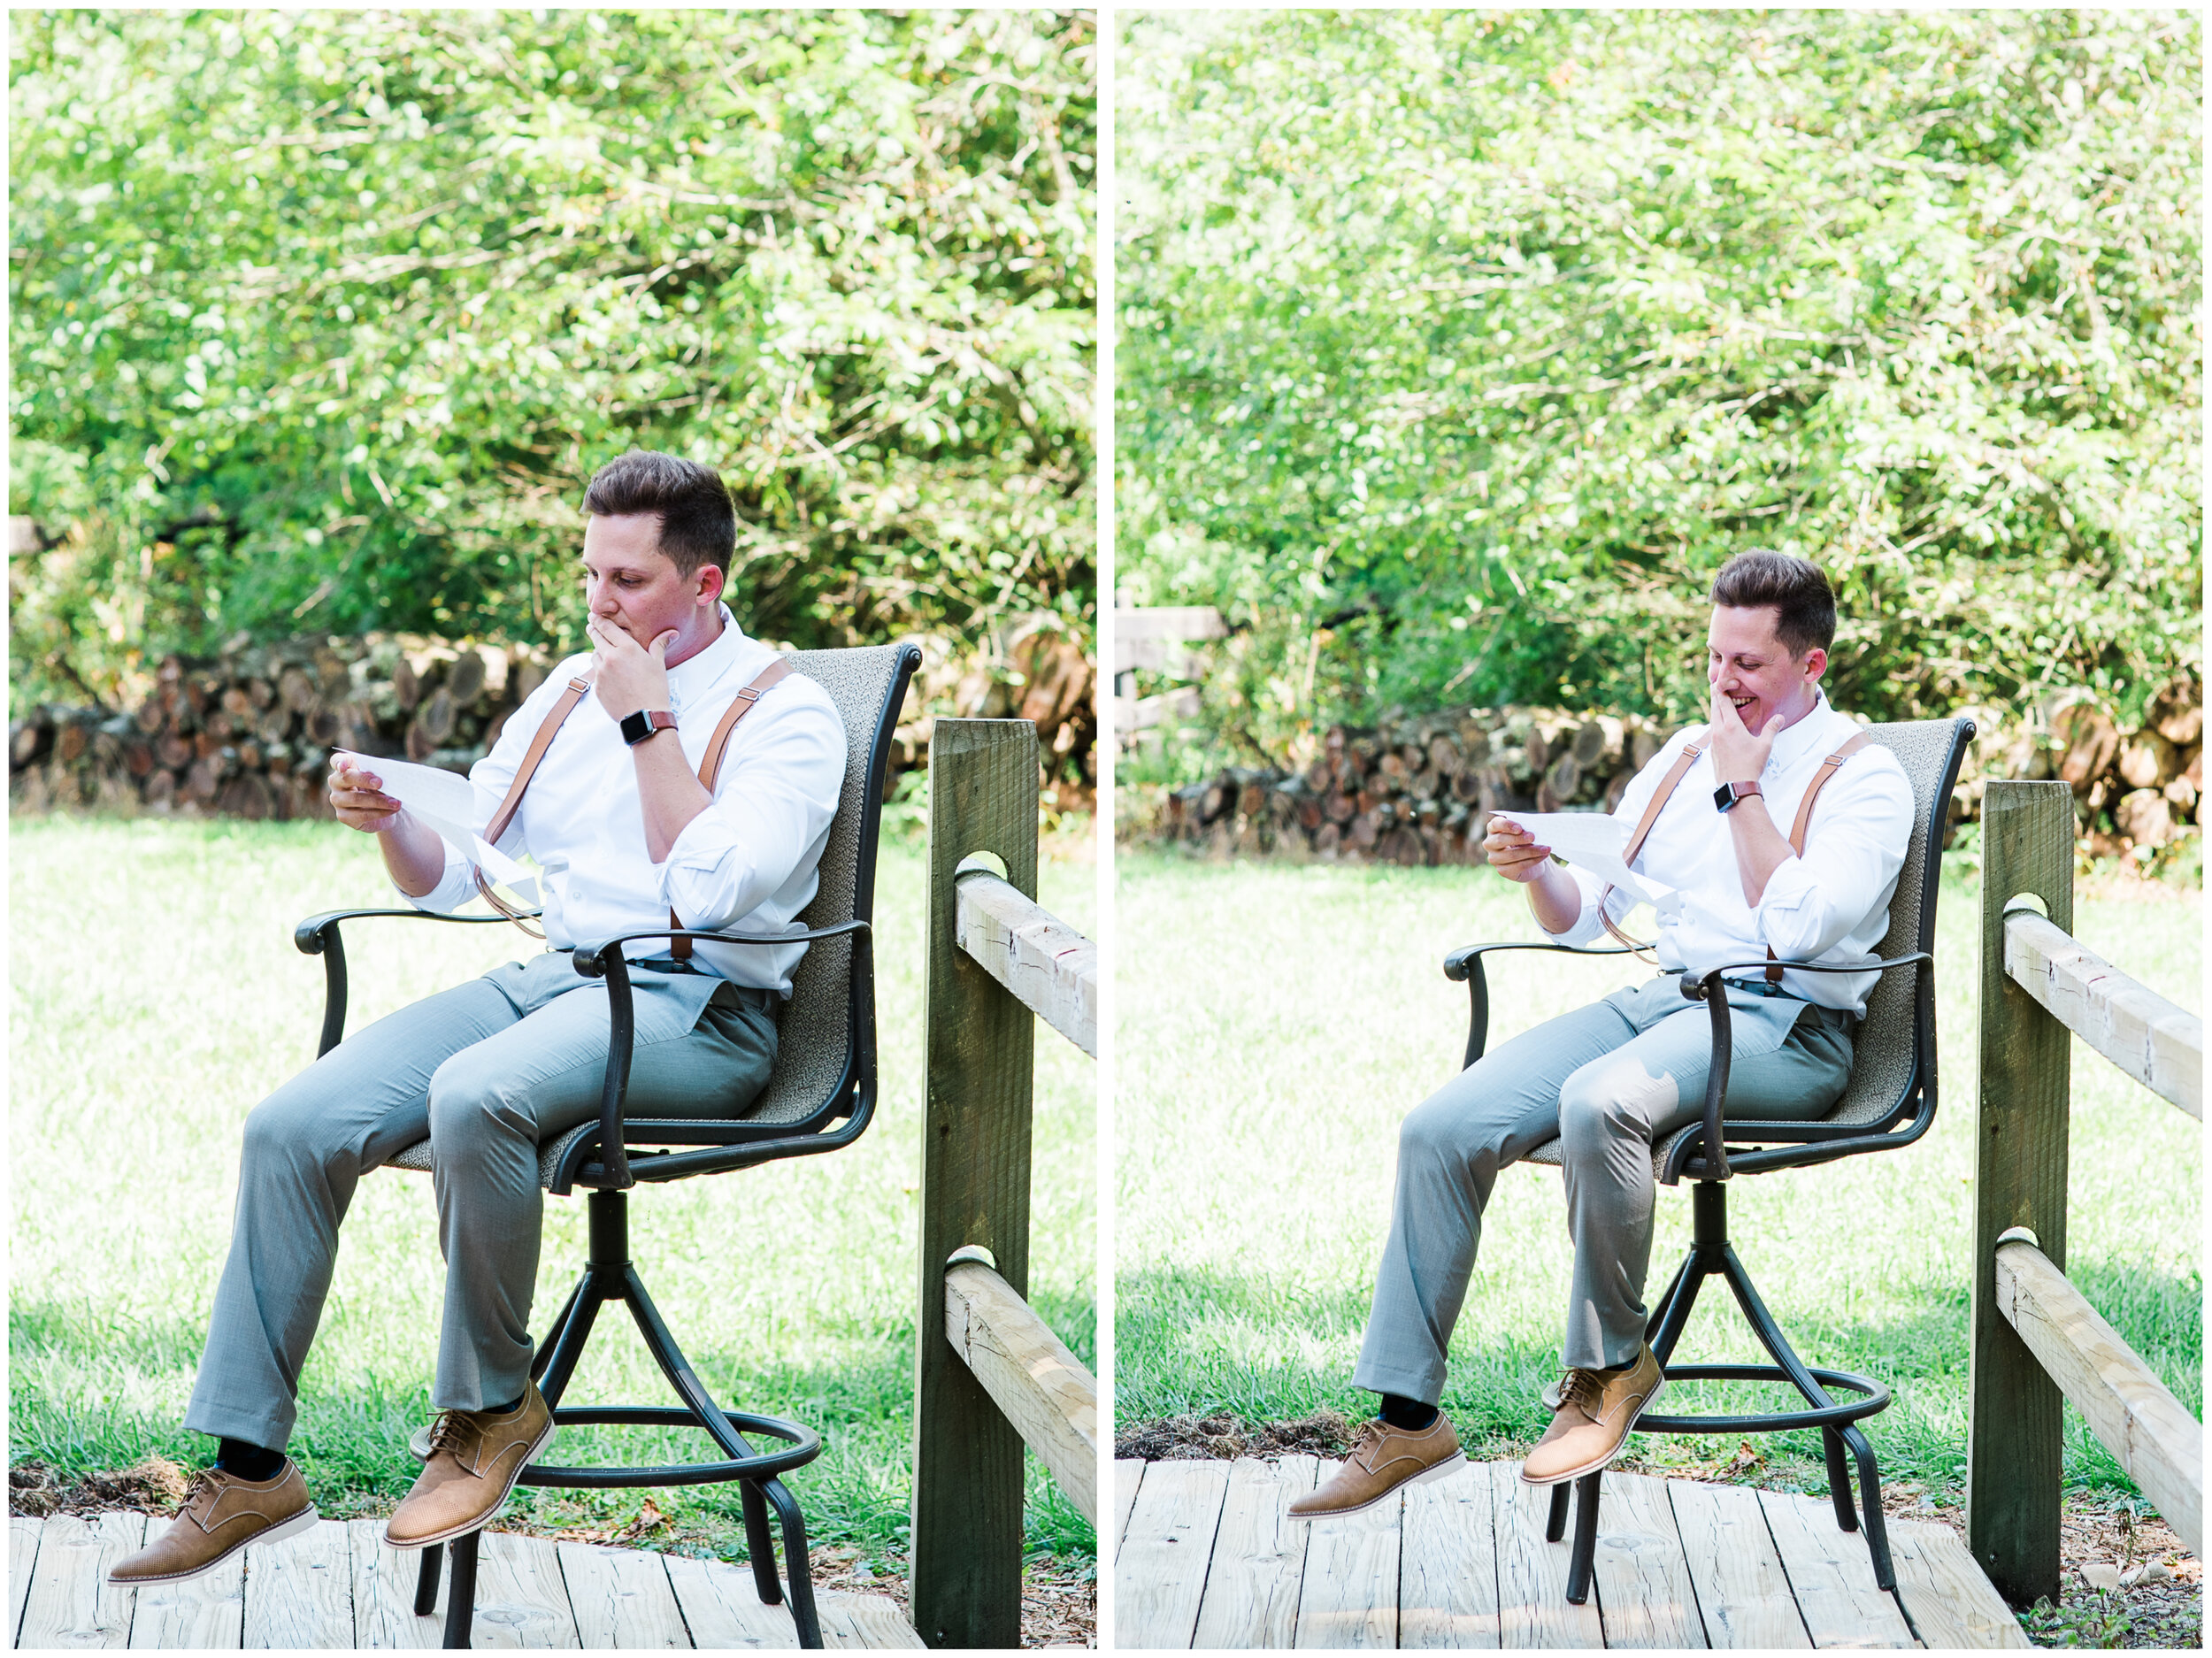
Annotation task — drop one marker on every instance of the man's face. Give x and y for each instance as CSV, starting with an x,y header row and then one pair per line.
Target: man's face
x,y
1747,664
630,583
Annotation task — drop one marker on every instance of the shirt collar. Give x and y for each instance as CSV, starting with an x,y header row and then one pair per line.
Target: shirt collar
x,y
1794,742
696,674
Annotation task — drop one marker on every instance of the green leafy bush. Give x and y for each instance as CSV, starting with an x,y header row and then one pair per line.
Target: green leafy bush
x,y
1457,350
321,319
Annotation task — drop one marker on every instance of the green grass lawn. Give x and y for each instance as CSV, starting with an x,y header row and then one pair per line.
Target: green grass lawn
x,y
155,996
1275,1022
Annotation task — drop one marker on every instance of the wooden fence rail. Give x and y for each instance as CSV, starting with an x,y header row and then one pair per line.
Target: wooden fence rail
x,y
1050,968
1158,639
2158,1044
2147,1429
990,1375
2035,1341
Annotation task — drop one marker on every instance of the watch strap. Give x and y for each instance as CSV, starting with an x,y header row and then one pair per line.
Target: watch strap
x,y
636,727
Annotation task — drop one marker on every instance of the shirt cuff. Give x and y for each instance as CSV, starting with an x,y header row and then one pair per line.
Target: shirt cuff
x,y
1586,926
456,885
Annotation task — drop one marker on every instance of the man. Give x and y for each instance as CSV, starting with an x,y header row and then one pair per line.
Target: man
x,y
624,833
1611,1078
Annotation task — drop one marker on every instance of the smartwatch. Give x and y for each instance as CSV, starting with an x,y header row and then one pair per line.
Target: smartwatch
x,y
1726,795
638,727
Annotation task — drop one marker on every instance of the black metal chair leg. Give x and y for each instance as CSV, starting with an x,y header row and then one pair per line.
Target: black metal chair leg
x,y
1770,1332
565,1345
760,1544
1556,1525
460,1604
1673,1315
1657,1320
796,1563
759,1539
427,1581
1838,1480
1871,1497
545,1354
1583,1566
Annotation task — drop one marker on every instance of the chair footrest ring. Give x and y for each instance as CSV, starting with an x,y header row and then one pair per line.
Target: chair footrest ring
x,y
1876,1398
803,1446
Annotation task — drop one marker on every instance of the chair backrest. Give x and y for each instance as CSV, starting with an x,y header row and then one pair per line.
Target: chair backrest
x,y
826,1047
1894,1054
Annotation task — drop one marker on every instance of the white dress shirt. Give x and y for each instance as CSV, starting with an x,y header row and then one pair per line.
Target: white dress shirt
x,y
1831,904
744,865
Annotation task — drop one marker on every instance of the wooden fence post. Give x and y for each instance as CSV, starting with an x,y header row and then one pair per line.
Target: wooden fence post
x,y
2014,1455
966,1544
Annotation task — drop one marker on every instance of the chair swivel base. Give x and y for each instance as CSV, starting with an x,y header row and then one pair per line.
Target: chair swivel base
x,y
1710,1256
609,1276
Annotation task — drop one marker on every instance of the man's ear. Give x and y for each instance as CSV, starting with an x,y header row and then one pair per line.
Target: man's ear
x,y
1815,665
710,582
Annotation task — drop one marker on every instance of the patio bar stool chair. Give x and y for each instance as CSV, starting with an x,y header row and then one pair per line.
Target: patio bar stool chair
x,y
819,1097
1888,1101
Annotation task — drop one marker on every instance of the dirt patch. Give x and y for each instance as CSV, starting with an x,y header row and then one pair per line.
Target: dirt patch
x,y
154,1485
1191,1439
1059,1603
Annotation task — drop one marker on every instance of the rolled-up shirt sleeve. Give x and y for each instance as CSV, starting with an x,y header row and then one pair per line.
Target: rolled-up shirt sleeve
x,y
1587,925
1853,848
771,812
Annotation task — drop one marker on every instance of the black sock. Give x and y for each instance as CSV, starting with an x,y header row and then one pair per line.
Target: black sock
x,y
511,1406
249,1462
1409,1413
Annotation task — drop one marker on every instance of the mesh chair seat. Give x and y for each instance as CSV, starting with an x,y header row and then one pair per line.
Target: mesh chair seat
x,y
1884,1051
815,1048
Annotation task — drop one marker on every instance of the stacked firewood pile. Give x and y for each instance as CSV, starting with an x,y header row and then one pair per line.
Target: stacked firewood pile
x,y
1419,790
249,733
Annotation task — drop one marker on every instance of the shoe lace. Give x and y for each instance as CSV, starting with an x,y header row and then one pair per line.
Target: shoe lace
x,y
449,1433
1370,1435
201,1494
1583,1389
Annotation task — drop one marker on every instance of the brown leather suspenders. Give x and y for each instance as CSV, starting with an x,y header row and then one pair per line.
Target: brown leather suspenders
x,y
1665,792
710,768
1660,797
710,763
524,772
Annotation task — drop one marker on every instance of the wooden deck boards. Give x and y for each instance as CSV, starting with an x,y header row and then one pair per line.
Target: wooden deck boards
x,y
338,1587
1206,1557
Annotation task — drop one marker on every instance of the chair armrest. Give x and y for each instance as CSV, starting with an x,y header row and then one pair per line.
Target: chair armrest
x,y
1466,963
317,935
591,959
1707,988
605,960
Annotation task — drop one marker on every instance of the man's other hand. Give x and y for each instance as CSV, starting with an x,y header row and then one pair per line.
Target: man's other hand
x,y
355,796
630,676
1739,753
1513,852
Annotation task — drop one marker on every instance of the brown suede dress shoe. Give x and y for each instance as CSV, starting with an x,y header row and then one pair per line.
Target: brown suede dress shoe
x,y
1596,1410
1383,1459
475,1456
221,1515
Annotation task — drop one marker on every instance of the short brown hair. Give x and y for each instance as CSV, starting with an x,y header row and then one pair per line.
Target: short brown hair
x,y
698,522
1804,605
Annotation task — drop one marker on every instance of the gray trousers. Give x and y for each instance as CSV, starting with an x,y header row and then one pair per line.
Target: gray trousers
x,y
1608,1081
484,1071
